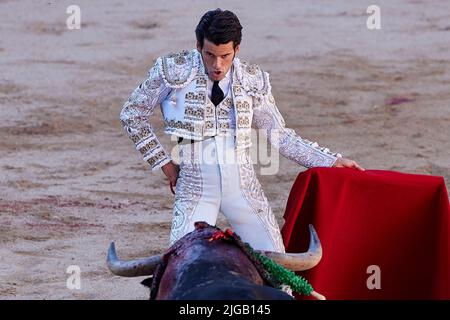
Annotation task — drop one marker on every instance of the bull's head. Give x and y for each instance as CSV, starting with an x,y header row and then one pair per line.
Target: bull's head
x,y
145,267
192,244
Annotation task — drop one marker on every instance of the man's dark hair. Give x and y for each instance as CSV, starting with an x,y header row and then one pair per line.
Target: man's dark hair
x,y
220,27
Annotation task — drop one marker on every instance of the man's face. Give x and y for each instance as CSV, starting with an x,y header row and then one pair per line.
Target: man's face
x,y
217,58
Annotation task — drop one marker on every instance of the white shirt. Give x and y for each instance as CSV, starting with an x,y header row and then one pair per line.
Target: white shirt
x,y
224,84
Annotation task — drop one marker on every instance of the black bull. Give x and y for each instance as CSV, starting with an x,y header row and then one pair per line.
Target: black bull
x,y
196,267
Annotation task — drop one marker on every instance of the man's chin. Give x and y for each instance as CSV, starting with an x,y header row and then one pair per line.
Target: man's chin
x,y
217,77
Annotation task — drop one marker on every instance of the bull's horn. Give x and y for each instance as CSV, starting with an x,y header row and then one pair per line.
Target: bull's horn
x,y
131,268
299,261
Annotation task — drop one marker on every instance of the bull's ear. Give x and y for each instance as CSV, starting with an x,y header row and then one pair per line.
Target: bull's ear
x,y
147,282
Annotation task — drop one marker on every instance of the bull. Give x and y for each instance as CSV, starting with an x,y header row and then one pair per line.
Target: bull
x,y
203,266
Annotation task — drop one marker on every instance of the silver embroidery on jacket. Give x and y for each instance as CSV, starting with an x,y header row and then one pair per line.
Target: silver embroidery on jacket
x,y
252,101
135,115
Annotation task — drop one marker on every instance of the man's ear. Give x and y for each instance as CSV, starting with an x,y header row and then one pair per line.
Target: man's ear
x,y
236,50
198,47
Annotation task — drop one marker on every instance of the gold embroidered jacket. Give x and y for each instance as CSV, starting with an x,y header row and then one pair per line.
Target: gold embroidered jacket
x,y
178,83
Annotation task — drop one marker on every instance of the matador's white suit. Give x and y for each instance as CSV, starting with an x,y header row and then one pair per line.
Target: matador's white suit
x,y
179,83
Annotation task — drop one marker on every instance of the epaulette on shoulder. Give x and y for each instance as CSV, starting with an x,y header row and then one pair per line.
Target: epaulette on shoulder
x,y
252,78
178,69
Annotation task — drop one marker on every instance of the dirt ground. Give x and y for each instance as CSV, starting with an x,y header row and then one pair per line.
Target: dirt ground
x,y
70,178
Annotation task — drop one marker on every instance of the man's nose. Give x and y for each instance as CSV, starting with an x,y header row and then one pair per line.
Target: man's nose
x,y
217,63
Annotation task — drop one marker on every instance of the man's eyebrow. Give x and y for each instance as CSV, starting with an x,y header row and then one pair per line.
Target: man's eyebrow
x,y
223,54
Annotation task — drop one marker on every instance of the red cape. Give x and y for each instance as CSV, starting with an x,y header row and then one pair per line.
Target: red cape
x,y
377,228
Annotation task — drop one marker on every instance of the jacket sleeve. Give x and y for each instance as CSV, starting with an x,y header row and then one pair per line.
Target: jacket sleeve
x,y
136,112
304,152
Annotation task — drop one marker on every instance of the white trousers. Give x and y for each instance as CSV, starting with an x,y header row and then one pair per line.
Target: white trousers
x,y
215,178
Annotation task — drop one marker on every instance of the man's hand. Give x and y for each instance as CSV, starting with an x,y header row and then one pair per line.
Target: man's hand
x,y
347,163
171,171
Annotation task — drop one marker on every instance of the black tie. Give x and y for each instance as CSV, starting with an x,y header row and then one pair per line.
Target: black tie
x,y
216,94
